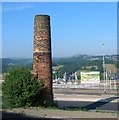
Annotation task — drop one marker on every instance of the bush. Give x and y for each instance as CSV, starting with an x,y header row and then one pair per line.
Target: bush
x,y
20,89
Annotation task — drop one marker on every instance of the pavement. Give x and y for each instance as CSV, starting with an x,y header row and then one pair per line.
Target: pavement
x,y
91,98
54,114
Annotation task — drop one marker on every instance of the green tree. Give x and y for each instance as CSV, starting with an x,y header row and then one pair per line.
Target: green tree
x,y
20,89
93,69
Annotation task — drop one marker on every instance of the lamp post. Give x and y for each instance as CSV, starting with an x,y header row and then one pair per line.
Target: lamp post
x,y
104,70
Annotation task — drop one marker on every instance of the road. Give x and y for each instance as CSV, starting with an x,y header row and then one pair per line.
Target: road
x,y
87,102
85,98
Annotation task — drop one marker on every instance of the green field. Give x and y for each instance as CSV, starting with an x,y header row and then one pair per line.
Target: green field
x,y
56,68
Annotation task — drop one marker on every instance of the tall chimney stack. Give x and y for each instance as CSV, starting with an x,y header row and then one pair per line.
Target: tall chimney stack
x,y
42,62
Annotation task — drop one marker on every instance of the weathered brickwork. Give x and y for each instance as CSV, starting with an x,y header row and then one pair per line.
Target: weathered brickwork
x,y
42,65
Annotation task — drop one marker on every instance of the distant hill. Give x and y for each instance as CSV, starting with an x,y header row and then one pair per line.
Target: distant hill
x,y
76,62
83,63
11,62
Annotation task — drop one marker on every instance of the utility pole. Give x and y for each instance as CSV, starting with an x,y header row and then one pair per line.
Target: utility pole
x,y
104,70
110,80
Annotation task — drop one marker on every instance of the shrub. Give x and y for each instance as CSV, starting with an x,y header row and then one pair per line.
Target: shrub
x,y
20,89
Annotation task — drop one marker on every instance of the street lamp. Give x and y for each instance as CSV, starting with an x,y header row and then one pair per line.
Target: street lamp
x,y
104,70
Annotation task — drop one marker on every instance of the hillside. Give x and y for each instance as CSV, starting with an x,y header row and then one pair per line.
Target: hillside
x,y
62,65
82,62
12,62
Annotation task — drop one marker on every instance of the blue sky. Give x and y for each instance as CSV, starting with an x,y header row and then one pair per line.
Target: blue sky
x,y
76,28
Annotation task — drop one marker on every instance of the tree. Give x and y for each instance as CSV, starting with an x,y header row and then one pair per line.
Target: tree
x,y
93,69
20,89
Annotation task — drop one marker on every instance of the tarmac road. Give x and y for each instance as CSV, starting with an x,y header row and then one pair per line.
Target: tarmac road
x,y
87,102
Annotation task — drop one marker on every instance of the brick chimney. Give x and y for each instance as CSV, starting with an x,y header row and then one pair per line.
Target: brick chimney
x,y
42,58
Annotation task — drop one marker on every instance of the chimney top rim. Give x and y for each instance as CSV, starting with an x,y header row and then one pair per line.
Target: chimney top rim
x,y
42,15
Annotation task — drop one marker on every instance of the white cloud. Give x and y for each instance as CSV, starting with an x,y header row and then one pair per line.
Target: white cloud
x,y
18,7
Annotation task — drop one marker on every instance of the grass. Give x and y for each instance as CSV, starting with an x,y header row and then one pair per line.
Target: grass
x,y
57,67
98,110
117,112
0,105
57,108
78,109
53,108
0,88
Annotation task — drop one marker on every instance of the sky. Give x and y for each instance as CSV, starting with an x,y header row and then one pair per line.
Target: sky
x,y
76,28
